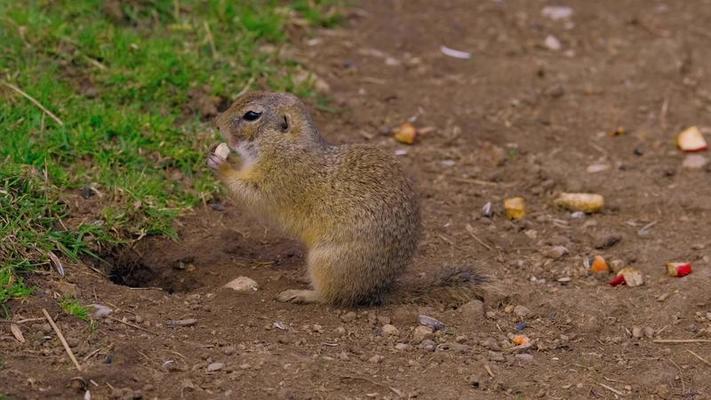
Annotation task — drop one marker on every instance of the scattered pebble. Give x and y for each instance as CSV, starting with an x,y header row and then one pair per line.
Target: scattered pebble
x,y
555,252
428,345
182,322
487,210
606,241
472,312
390,330
214,367
521,311
430,322
243,284
557,12
636,332
496,356
229,350
349,316
595,168
552,43
525,357
422,333
376,359
648,332
101,311
520,326
402,346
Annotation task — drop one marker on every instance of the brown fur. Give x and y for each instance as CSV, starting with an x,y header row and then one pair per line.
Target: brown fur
x,y
351,205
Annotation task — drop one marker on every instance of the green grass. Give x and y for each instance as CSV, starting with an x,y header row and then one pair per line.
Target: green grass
x,y
72,306
118,74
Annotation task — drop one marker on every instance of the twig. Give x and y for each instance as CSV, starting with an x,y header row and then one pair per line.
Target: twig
x,y
92,354
610,388
22,321
34,101
61,339
470,229
677,341
488,370
703,360
140,328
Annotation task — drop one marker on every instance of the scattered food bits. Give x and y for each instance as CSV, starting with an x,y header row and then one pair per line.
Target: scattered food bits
x,y
521,340
619,131
515,208
586,202
691,140
406,133
222,151
630,276
678,269
599,265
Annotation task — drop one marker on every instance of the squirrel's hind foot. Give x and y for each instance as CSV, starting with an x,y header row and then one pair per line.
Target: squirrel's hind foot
x,y
299,296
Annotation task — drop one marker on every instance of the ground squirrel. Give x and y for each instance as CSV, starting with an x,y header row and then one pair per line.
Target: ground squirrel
x,y
351,205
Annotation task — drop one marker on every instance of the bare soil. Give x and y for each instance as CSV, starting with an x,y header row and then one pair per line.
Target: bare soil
x,y
517,119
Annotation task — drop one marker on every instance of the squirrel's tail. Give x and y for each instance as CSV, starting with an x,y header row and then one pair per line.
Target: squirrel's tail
x,y
450,287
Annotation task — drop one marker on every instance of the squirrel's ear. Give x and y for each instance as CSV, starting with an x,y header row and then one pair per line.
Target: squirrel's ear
x,y
285,124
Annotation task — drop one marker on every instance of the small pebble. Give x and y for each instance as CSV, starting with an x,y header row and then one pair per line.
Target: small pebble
x,y
216,366
648,332
520,326
229,350
101,311
636,332
376,359
521,311
428,345
243,284
349,316
390,330
525,357
430,322
552,43
496,356
422,333
402,346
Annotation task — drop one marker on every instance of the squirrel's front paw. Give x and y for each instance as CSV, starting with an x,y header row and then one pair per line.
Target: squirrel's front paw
x,y
218,156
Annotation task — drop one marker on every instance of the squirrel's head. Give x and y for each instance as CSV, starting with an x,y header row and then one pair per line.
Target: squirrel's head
x,y
258,120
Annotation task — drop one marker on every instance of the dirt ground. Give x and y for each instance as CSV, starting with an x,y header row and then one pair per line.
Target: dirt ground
x,y
599,114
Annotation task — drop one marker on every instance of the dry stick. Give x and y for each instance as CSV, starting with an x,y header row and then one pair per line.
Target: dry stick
x,y
610,388
681,341
703,360
132,325
488,370
481,242
34,101
61,339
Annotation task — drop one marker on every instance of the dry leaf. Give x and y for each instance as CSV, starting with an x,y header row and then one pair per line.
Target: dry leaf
x,y
17,333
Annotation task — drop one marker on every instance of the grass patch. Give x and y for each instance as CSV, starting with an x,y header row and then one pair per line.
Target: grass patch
x,y
72,306
120,76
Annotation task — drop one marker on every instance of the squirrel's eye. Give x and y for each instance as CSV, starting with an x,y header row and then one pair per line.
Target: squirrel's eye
x,y
251,115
